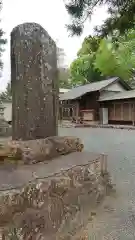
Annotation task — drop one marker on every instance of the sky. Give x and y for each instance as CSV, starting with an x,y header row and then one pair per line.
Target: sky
x,y
53,17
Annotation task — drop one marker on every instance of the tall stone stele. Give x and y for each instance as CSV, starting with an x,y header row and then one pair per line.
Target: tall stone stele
x,y
34,83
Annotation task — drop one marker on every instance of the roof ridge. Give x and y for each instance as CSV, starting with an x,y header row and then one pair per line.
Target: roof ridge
x,y
90,83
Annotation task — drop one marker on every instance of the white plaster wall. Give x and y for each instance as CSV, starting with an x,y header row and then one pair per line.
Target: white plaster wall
x,y
111,90
107,93
115,87
105,115
8,111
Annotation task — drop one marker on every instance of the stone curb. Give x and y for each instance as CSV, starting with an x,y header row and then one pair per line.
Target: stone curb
x,y
54,205
98,126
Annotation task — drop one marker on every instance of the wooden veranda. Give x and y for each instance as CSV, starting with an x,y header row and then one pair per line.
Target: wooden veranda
x,y
68,111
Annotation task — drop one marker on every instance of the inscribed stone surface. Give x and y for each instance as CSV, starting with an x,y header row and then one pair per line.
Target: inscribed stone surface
x,y
34,82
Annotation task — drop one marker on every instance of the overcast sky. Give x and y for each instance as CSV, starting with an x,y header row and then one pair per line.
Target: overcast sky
x,y
51,14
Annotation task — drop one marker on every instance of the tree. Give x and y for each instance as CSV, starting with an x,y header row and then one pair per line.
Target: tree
x,y
118,60
89,46
2,42
63,78
82,71
122,18
121,15
7,94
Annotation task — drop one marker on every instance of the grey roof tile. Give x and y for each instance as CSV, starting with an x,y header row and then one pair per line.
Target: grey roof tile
x,y
118,96
91,87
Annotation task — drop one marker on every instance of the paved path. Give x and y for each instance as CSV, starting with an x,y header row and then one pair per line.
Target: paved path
x,y
119,222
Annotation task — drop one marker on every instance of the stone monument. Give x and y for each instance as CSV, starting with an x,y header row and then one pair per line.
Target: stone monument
x,y
34,83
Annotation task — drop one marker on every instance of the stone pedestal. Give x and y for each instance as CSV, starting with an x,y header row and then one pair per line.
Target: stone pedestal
x,y
34,83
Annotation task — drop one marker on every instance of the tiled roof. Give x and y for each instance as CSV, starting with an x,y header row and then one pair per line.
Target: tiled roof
x,y
118,96
91,87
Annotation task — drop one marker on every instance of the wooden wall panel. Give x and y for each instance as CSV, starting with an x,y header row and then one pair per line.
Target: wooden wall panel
x,y
111,112
117,112
126,112
121,112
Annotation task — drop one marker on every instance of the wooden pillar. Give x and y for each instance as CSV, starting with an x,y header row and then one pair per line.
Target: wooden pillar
x,y
62,114
114,110
130,112
122,112
133,114
77,111
73,112
68,112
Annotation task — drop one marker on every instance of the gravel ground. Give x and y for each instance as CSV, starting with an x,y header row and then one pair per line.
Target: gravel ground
x,y
117,221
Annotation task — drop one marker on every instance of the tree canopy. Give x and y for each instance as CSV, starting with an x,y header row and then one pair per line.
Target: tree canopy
x,y
122,15
82,70
6,95
117,60
89,46
102,58
63,78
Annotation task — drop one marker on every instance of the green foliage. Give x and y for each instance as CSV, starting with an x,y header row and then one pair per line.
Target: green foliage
x,y
122,18
122,15
89,46
117,61
109,57
7,94
63,78
82,71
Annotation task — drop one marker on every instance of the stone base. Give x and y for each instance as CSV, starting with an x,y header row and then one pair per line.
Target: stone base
x,y
40,150
53,206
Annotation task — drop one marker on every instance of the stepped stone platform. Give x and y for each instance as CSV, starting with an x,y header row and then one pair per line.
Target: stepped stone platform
x,y
13,176
51,199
